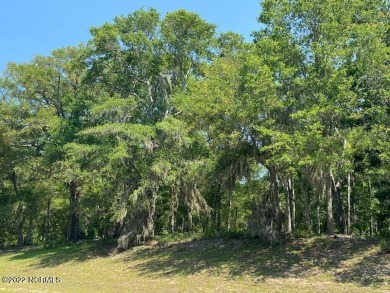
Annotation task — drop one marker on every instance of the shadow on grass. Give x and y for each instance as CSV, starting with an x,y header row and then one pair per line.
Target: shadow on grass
x,y
298,259
345,260
370,270
78,252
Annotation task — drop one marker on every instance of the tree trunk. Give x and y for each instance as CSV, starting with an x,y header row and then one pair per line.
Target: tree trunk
x,y
292,202
218,209
288,214
218,218
371,226
75,192
28,240
230,191
274,192
151,218
337,200
318,219
47,227
288,196
236,217
20,225
173,209
20,211
371,217
349,204
189,222
14,181
306,202
216,212
329,205
172,222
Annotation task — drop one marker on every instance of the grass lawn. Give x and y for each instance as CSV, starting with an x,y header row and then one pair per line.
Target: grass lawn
x,y
303,265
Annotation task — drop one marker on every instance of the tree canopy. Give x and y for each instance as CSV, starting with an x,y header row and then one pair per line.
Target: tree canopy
x,y
161,125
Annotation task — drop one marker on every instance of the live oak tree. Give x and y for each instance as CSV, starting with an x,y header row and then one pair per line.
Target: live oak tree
x,y
137,63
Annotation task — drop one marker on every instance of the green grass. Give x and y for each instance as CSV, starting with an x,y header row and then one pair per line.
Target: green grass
x,y
213,265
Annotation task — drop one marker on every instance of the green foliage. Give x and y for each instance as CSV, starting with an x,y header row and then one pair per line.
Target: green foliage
x,y
159,126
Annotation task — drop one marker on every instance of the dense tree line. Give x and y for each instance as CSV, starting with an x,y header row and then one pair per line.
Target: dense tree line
x,y
160,125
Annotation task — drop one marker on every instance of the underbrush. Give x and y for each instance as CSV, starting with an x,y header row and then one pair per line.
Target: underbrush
x,y
168,238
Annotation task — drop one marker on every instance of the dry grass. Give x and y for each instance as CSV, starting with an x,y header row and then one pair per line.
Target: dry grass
x,y
303,265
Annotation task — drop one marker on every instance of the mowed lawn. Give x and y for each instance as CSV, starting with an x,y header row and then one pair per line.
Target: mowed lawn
x,y
302,265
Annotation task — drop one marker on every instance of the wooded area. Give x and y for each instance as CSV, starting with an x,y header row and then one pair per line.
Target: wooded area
x,y
161,125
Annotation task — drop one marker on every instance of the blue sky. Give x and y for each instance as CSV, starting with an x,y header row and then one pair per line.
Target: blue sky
x,y
36,27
